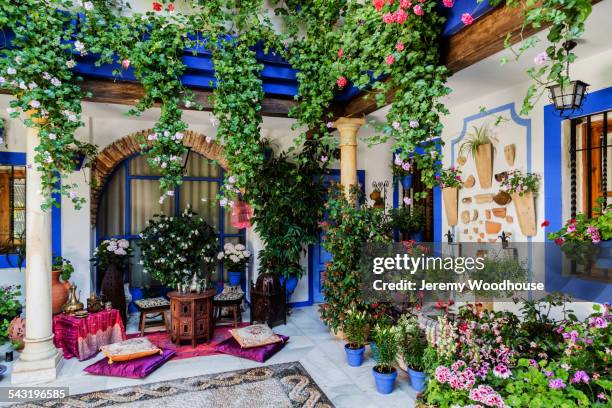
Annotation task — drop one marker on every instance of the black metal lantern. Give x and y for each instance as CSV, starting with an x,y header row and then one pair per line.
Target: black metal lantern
x,y
185,159
568,98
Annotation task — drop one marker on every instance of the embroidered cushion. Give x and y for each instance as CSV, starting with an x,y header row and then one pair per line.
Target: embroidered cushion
x,y
139,368
260,354
229,296
129,349
152,303
255,335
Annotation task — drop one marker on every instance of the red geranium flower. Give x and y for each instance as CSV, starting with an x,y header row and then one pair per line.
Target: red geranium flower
x,y
341,82
170,7
545,224
340,53
378,4
157,6
559,241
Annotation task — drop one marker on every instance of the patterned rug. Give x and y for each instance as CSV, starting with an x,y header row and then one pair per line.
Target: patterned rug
x,y
275,386
162,340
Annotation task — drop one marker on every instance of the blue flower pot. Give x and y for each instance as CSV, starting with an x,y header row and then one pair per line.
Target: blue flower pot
x,y
407,181
354,357
416,236
384,382
418,380
291,284
604,260
234,278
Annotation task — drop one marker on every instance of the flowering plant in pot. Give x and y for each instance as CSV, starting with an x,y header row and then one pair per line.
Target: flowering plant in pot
x,y
62,268
412,345
449,181
402,169
356,330
384,371
409,220
523,188
235,258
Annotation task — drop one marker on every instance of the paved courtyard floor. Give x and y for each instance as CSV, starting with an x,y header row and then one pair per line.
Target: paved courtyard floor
x,y
311,344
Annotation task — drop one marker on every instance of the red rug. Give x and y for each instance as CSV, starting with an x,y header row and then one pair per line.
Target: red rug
x,y
162,340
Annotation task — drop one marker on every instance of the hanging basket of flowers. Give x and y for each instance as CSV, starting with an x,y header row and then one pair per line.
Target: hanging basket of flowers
x,y
242,213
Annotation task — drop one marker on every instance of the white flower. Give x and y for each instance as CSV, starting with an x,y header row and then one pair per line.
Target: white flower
x,y
80,47
414,124
120,251
234,259
52,136
188,104
56,82
124,243
2,80
220,255
240,247
246,254
32,85
11,71
71,64
35,104
209,139
213,121
88,6
73,194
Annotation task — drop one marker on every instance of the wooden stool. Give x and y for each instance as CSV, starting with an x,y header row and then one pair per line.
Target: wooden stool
x,y
152,308
232,301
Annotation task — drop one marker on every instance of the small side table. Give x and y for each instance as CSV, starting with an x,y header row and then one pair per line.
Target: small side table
x,y
192,316
232,301
151,308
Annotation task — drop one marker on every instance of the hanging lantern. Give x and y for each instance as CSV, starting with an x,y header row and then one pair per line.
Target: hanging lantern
x,y
241,215
568,98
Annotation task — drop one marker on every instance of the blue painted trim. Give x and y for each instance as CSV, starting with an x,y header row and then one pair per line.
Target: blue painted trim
x,y
300,304
525,122
13,158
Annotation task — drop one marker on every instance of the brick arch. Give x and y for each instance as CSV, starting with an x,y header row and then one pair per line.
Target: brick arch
x,y
115,153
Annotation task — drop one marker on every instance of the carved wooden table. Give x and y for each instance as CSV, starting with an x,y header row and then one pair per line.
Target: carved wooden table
x,y
192,316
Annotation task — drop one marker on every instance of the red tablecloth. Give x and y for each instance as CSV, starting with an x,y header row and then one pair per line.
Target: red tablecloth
x,y
82,338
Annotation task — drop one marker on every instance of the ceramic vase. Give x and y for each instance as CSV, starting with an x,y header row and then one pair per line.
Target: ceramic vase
x,y
59,292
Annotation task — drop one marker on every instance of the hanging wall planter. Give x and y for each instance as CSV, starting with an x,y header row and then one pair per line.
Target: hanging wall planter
x,y
484,164
525,212
450,196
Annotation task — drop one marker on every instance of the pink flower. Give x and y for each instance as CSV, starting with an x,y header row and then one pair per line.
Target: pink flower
x,y
340,53
467,19
598,322
170,7
405,4
125,63
388,18
556,384
378,4
448,3
341,82
442,374
559,241
571,228
399,46
398,160
407,200
541,58
580,376
501,371
418,10
400,16
390,59
406,166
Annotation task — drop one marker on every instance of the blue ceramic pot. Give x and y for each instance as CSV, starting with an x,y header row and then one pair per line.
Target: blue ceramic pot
x,y
604,260
407,181
354,357
234,278
417,380
291,284
416,236
384,381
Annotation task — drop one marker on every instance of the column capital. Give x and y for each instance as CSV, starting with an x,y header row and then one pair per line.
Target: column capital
x,y
348,128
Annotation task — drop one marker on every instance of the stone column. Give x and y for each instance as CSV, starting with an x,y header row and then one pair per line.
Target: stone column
x,y
348,128
40,361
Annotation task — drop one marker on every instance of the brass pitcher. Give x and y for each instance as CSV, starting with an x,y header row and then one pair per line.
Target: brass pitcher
x,y
74,304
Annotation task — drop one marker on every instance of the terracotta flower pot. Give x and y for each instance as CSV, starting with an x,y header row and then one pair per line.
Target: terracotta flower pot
x,y
484,164
59,292
450,196
525,212
16,332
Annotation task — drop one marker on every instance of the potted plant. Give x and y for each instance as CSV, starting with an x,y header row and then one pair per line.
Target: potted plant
x,y
409,220
10,308
235,258
480,144
112,258
412,345
450,183
523,188
62,268
176,249
384,371
402,169
356,331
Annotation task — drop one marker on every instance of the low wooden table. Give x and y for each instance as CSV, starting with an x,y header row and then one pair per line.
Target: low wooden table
x,y
191,316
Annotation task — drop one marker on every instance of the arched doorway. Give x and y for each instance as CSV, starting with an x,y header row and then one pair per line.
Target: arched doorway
x,y
130,194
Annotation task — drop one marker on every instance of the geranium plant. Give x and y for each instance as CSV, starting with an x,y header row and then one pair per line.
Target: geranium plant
x,y
10,307
176,248
234,257
401,167
112,251
450,177
521,183
584,229
65,266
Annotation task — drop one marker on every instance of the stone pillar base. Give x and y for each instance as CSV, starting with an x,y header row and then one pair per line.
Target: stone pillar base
x,y
37,372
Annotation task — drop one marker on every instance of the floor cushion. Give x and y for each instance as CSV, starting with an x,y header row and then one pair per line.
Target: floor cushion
x,y
260,354
255,335
138,368
129,349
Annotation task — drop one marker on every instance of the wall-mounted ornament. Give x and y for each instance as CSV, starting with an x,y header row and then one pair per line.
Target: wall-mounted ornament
x,y
488,214
502,198
479,145
483,198
465,217
481,235
499,212
474,215
525,212
510,154
465,230
476,230
509,219
469,182
466,200
499,177
492,227
461,160
450,196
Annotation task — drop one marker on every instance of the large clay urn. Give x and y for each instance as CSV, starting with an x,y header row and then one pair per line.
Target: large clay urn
x,y
59,292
